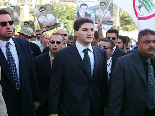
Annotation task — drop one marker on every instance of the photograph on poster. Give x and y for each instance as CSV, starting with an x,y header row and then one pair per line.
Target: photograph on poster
x,y
29,25
46,16
104,14
86,8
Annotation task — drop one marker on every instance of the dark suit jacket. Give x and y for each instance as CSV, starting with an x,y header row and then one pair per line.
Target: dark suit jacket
x,y
128,87
35,50
118,53
44,71
133,50
20,103
86,15
74,88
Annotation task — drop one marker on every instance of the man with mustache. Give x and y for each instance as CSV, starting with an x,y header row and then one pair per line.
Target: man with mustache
x,y
132,87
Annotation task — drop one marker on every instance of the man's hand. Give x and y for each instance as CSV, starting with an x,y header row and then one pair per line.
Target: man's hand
x,y
53,115
36,105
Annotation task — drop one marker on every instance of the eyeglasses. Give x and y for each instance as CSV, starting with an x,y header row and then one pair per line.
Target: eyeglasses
x,y
63,34
57,42
113,38
38,34
3,24
104,47
42,10
102,5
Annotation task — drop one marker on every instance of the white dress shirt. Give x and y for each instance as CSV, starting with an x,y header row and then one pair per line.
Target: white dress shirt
x,y
80,49
12,50
109,63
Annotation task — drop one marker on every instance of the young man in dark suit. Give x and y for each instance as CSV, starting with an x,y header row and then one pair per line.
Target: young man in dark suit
x,y
112,34
79,84
19,82
43,64
133,82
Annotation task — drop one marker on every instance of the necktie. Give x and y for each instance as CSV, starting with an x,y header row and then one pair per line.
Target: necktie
x,y
86,61
12,65
151,86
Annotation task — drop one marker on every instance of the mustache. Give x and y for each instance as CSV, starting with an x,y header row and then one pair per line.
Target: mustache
x,y
151,49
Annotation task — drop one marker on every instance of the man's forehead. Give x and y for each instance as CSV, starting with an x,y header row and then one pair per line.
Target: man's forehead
x,y
62,31
87,26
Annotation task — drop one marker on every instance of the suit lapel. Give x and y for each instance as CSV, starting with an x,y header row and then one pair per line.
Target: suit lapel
x,y
74,54
47,64
5,67
139,67
96,59
22,60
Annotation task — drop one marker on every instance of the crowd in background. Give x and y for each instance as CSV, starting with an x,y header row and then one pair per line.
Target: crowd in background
x,y
82,75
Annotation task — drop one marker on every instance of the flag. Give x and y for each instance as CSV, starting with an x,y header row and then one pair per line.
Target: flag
x,y
142,12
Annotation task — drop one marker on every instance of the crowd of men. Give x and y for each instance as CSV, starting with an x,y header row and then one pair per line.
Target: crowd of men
x,y
81,75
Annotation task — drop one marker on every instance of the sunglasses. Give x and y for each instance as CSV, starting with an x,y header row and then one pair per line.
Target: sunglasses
x,y
113,38
42,10
38,34
25,24
104,47
3,24
102,5
57,42
63,34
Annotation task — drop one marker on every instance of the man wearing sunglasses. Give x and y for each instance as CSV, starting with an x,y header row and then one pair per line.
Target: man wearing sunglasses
x,y
64,34
112,34
79,83
43,64
19,82
46,19
108,45
103,13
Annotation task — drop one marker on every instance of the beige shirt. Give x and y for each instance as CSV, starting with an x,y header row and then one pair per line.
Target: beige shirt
x,y
3,110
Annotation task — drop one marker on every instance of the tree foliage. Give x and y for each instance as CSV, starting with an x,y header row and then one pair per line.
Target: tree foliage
x,y
126,22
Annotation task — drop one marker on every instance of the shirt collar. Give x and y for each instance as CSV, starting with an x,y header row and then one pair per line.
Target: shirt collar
x,y
3,43
81,47
51,57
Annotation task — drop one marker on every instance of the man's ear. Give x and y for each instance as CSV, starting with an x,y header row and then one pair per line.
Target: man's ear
x,y
75,33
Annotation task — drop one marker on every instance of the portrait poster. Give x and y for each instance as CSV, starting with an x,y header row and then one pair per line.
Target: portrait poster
x,y
15,13
87,8
104,14
29,25
46,16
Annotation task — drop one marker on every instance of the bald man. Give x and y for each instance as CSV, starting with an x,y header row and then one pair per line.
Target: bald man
x,y
63,32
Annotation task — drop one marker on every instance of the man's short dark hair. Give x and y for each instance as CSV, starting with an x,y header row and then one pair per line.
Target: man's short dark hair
x,y
38,30
113,31
26,22
103,3
42,7
123,38
145,32
81,21
70,37
83,4
110,41
4,12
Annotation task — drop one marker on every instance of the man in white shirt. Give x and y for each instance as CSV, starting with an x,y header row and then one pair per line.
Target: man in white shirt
x,y
46,19
103,13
